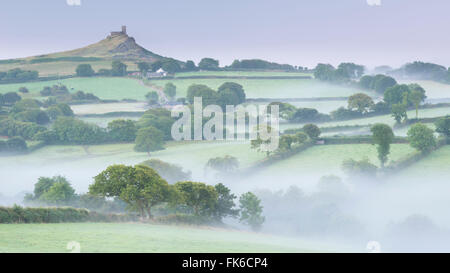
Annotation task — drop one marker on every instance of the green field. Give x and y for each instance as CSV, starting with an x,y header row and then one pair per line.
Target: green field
x,y
270,88
104,88
437,164
304,169
103,108
243,74
387,119
81,163
134,238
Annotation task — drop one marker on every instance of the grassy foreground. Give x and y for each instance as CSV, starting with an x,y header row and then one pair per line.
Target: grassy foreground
x,y
130,237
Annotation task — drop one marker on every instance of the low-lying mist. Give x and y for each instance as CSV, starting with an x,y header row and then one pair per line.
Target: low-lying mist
x,y
406,212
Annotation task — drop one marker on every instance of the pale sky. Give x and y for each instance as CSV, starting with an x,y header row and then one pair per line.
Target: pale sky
x,y
298,32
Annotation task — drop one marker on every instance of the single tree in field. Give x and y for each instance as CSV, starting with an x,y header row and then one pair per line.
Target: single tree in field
x,y
223,165
421,138
170,90
225,206
148,140
85,70
382,136
312,130
399,112
140,187
416,97
152,97
361,102
251,211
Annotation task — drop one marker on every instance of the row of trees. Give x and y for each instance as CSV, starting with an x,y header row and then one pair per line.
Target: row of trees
x,y
142,189
17,75
229,93
118,69
342,74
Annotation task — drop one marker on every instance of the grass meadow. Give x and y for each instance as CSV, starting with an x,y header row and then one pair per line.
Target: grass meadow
x,y
133,237
270,88
103,87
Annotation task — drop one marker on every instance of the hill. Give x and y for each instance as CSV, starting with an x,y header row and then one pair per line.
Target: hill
x,y
116,46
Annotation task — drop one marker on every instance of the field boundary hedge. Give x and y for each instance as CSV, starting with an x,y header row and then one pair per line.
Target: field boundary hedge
x,y
18,215
276,158
358,140
404,163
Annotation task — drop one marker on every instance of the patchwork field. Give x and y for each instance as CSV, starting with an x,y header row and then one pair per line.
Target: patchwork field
x,y
104,88
270,88
387,119
80,163
103,108
243,74
142,238
306,168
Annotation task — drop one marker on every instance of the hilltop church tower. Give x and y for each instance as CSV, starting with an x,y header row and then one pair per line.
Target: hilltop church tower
x,y
118,33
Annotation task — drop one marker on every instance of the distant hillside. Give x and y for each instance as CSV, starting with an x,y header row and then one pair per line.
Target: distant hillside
x,y
117,46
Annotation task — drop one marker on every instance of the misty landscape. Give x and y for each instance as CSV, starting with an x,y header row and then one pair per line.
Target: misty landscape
x,y
166,141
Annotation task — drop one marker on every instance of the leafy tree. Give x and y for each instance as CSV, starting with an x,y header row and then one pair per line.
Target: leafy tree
x,y
361,102
224,165
416,96
24,90
397,94
352,70
225,203
201,198
170,172
152,97
170,90
308,115
381,83
251,211
421,137
159,118
149,140
190,66
122,130
208,95
118,69
312,131
10,98
85,70
59,110
235,88
286,142
15,144
399,112
382,136
300,137
443,126
33,115
366,81
359,169
170,66
59,193
140,187
208,64
285,110
144,67
26,104
69,130
53,191
324,72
